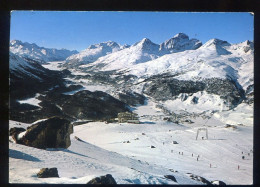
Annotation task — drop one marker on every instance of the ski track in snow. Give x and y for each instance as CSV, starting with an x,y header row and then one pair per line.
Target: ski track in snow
x,y
103,151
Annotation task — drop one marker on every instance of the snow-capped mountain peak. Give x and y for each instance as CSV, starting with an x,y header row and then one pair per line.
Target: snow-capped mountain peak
x,y
110,44
93,52
180,42
216,42
181,35
146,44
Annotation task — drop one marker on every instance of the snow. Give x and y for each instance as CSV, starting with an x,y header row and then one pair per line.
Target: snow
x,y
215,59
206,102
93,52
35,52
102,151
55,65
31,101
88,85
199,64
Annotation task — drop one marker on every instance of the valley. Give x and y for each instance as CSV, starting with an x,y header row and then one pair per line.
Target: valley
x,y
175,88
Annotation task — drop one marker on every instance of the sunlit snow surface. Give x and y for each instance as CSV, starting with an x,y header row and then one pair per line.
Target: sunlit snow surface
x,y
31,101
103,151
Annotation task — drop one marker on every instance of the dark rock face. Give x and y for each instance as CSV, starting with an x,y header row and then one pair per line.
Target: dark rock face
x,y
14,132
48,172
166,87
92,105
107,179
221,183
131,98
51,133
250,94
171,177
199,178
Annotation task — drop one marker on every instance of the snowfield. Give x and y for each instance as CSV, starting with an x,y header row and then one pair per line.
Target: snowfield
x,y
104,149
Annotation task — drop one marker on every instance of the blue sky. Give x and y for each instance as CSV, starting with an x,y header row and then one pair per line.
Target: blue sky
x,y
78,30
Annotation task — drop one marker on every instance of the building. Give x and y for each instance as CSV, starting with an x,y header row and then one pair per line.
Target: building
x,y
128,117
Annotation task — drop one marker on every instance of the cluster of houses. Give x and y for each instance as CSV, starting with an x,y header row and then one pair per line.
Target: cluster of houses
x,y
126,117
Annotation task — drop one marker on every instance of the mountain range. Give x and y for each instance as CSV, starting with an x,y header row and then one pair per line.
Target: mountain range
x,y
216,75
178,89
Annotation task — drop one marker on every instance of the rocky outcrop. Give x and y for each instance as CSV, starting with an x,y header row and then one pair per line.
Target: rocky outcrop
x,y
217,182
14,132
51,133
107,179
48,172
171,177
199,178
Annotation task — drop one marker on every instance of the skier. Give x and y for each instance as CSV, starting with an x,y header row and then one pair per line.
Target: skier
x,y
243,157
238,167
192,154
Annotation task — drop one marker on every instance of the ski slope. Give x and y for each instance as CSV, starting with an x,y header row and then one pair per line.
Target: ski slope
x,y
104,149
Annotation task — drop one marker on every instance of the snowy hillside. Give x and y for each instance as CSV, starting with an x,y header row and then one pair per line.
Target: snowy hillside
x,y
41,54
19,65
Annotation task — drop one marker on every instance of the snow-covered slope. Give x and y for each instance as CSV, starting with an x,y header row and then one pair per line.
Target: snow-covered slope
x,y
140,52
41,54
19,65
83,161
93,52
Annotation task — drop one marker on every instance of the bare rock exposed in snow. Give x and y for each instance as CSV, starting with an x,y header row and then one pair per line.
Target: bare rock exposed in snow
x,y
171,177
51,133
216,182
180,42
14,132
48,172
199,178
107,179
